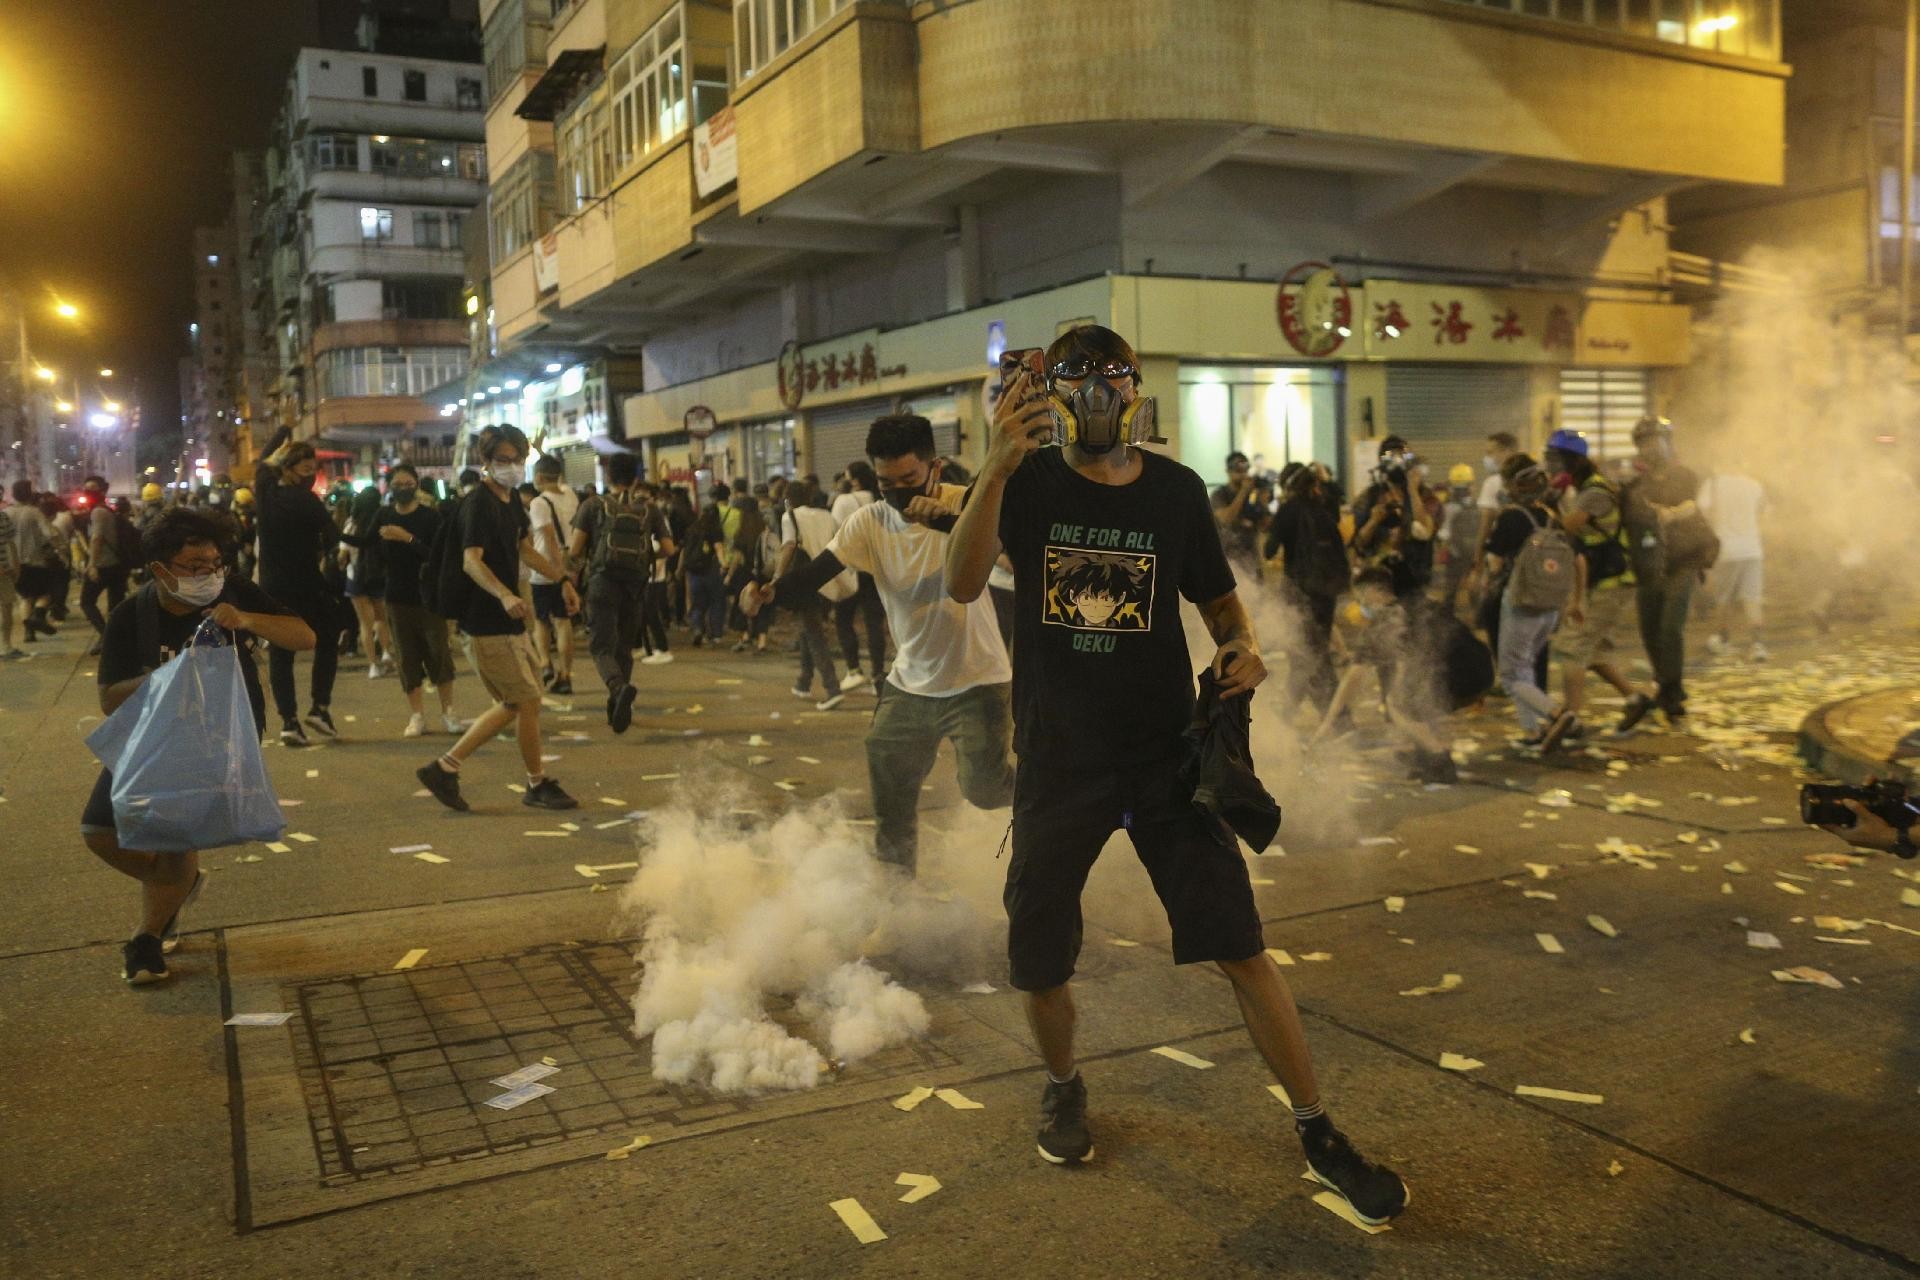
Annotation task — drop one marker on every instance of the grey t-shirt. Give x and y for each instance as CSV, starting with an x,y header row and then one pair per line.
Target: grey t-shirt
x,y
102,533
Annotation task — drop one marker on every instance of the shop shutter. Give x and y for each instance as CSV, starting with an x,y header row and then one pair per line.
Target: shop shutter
x,y
1445,412
1603,405
942,409
837,435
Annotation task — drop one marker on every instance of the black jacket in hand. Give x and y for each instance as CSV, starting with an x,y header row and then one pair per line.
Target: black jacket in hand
x,y
1219,765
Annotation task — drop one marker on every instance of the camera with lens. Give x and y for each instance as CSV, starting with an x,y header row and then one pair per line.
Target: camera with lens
x,y
1820,806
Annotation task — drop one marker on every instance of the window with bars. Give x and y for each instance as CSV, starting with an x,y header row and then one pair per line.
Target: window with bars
x,y
765,29
647,93
389,371
334,151
1748,27
583,155
514,42
520,206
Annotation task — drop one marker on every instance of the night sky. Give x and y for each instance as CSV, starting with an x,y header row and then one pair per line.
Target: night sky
x,y
117,118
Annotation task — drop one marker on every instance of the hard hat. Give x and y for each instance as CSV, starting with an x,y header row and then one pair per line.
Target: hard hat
x,y
1568,442
243,497
1460,474
149,492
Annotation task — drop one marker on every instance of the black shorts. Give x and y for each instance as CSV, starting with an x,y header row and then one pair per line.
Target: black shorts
x,y
549,602
1060,823
98,815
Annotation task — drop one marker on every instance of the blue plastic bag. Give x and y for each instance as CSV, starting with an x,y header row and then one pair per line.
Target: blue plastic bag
x,y
185,756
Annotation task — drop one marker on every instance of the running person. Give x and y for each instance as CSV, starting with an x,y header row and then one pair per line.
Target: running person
x,y
189,581
950,678
1103,690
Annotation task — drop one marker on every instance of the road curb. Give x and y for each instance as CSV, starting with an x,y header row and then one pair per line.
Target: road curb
x,y
1824,749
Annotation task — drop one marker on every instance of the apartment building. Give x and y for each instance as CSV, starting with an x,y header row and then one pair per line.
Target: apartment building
x,y
377,163
216,343
1318,220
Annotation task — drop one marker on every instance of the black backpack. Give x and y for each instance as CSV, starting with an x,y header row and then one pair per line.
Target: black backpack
x,y
624,550
126,541
699,548
445,588
1317,562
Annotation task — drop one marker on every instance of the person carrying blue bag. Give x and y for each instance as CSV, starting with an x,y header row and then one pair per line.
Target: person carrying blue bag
x,y
169,688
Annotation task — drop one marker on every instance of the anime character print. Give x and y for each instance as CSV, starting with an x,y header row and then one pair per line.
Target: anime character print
x,y
1098,590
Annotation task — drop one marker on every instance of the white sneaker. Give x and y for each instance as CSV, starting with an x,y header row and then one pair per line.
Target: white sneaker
x,y
416,725
1758,653
828,704
852,680
373,671
802,694
656,659
452,725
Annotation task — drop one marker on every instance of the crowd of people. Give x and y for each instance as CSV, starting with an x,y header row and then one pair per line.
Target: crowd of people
x,y
1012,615
1455,591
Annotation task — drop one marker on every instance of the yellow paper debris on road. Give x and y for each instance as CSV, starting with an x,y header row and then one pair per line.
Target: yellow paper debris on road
x,y
858,1221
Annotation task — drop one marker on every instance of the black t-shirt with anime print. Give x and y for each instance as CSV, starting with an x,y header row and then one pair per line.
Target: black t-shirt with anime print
x,y
1101,672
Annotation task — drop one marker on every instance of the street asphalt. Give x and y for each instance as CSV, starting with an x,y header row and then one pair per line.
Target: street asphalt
x,y
1596,908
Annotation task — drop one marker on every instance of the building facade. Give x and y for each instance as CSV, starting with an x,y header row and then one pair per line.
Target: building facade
x,y
355,253
1318,221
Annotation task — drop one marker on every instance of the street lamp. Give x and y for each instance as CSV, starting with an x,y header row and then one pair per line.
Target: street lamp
x,y
106,373
63,406
103,421
44,374
66,311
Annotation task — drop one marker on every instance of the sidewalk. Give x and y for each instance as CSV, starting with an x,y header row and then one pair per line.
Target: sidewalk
x,y
1860,738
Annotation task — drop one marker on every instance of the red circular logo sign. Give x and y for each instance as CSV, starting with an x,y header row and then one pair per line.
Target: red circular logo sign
x,y
1315,309
792,376
700,422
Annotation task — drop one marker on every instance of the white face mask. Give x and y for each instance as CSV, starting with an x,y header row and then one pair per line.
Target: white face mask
x,y
1487,461
505,474
197,591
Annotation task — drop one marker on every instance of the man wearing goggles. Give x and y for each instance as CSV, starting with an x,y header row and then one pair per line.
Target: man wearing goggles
x,y
1105,540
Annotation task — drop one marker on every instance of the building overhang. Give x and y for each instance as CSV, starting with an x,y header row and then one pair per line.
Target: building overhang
x,y
568,73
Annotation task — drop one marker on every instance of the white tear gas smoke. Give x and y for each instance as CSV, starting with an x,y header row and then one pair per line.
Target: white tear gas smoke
x,y
1789,387
734,922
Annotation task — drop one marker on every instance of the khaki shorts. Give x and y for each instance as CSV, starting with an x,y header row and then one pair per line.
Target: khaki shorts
x,y
505,667
8,591
1611,617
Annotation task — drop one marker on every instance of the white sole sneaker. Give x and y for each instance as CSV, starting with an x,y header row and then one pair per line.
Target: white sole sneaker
x,y
829,704
852,680
415,727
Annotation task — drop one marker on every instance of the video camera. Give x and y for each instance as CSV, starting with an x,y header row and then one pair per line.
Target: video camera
x,y
1820,806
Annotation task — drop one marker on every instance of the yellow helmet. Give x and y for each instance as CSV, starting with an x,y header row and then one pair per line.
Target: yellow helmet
x,y
1461,474
243,497
150,492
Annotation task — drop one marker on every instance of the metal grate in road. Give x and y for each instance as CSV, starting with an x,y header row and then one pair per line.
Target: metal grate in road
x,y
395,1068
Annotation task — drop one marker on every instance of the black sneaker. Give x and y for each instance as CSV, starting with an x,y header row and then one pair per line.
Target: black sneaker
x,y
170,936
1637,708
291,734
1560,730
620,710
142,961
548,795
322,722
1437,768
1063,1123
445,786
561,686
1375,1192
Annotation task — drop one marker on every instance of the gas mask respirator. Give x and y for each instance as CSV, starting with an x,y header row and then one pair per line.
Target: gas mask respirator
x,y
1096,417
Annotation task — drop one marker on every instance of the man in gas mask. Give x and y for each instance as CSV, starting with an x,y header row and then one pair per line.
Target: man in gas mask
x,y
1101,700
950,679
1671,547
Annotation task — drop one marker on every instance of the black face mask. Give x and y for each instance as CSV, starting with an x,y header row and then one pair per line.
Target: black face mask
x,y
902,498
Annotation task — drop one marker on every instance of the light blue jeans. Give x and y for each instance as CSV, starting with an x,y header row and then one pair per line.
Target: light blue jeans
x,y
1523,634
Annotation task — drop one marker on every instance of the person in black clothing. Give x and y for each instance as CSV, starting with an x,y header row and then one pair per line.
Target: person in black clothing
x,y
864,604
296,534
494,539
1396,520
402,532
1241,506
1305,539
615,536
189,582
1659,501
366,583
1103,694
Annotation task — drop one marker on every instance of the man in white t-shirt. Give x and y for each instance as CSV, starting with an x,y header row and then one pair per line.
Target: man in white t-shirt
x,y
1734,504
1501,445
950,678
551,513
